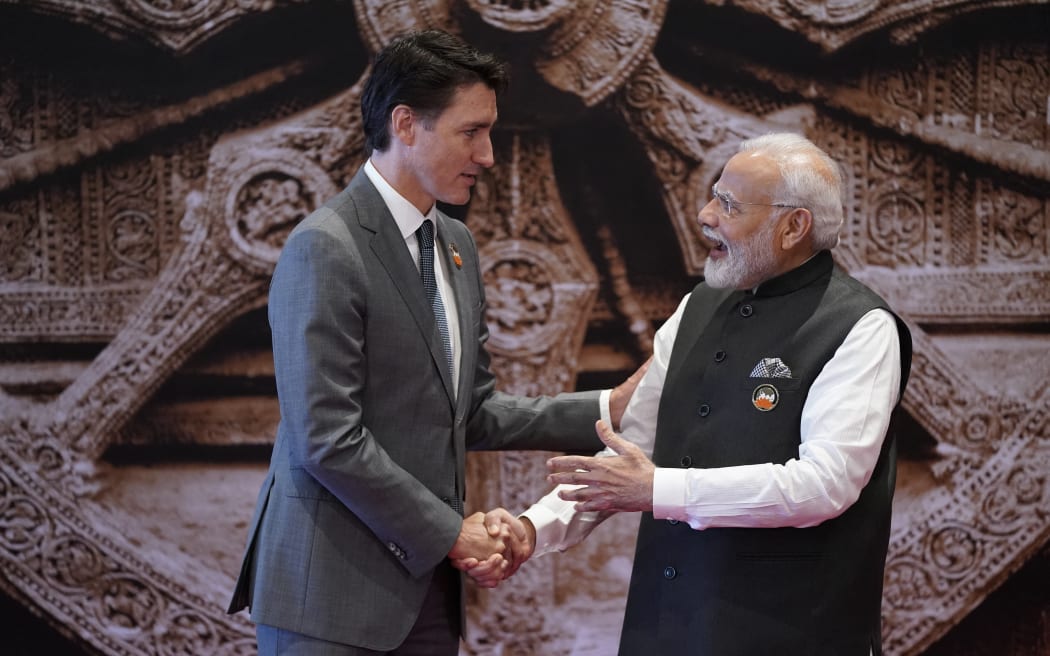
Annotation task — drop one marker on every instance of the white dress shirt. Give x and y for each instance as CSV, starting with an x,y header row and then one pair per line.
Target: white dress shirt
x,y
844,420
408,219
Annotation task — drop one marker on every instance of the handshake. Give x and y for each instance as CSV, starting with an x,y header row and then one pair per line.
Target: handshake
x,y
492,546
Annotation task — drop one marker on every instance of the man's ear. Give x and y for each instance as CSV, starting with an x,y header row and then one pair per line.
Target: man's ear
x,y
796,228
403,124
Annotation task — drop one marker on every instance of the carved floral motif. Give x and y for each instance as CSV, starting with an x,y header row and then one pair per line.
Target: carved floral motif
x,y
946,176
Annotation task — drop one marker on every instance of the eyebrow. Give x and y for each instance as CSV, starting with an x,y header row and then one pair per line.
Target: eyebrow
x,y
480,124
715,191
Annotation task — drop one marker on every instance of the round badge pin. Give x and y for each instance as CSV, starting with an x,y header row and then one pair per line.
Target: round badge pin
x,y
765,397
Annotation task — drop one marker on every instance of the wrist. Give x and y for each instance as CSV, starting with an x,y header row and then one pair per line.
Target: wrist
x,y
530,532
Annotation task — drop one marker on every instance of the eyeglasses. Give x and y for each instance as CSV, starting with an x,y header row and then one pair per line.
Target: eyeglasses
x,y
727,203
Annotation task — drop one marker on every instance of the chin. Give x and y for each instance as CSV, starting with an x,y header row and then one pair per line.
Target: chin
x,y
456,199
716,277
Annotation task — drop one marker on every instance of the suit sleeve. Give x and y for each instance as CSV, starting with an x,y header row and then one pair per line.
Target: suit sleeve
x,y
499,421
317,310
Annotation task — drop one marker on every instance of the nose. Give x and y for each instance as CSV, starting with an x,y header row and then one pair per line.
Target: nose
x,y
708,214
483,155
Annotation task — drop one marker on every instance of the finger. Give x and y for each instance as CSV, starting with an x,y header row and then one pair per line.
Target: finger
x,y
521,553
576,478
494,529
495,518
594,505
586,493
516,528
465,564
570,463
488,567
490,572
487,580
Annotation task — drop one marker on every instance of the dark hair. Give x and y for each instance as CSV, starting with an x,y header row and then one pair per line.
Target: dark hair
x,y
422,70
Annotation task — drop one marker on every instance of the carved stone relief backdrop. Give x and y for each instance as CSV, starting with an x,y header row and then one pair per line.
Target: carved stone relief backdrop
x,y
154,154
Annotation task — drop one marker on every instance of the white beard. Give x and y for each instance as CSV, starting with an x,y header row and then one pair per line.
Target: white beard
x,y
745,264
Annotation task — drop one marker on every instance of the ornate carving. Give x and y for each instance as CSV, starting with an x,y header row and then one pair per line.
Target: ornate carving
x,y
833,12
947,170
16,132
380,22
74,149
267,196
960,296
178,25
18,233
529,16
834,23
688,137
594,51
627,302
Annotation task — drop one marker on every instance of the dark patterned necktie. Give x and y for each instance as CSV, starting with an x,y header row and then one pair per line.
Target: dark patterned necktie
x,y
425,235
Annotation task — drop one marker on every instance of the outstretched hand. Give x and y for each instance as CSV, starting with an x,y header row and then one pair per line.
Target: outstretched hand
x,y
620,483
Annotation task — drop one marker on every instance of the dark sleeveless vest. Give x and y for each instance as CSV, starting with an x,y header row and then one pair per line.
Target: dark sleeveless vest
x,y
753,592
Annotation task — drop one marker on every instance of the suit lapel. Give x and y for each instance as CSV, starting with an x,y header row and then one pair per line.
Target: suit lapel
x,y
389,248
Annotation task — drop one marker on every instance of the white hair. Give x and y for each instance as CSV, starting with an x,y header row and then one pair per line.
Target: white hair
x,y
809,178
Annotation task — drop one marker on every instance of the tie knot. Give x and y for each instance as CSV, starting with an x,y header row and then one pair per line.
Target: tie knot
x,y
426,234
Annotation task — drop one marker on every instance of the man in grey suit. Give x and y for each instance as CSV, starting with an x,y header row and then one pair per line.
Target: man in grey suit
x,y
377,313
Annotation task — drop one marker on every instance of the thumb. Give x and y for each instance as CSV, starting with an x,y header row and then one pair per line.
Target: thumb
x,y
611,439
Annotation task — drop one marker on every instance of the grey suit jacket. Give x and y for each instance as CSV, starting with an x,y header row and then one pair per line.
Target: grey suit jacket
x,y
368,464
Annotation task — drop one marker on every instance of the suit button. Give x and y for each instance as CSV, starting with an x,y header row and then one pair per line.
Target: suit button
x,y
720,355
686,461
704,410
746,310
670,573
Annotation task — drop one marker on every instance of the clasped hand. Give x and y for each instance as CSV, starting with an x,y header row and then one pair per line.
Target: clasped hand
x,y
492,546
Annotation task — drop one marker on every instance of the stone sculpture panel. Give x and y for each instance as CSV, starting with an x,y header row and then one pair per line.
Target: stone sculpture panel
x,y
141,215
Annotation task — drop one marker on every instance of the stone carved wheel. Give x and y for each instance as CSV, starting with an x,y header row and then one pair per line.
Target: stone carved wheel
x,y
141,214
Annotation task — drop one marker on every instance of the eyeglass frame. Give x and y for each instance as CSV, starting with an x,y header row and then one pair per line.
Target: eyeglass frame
x,y
726,202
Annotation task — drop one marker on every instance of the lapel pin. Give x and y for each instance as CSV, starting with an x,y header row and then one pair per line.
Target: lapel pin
x,y
455,255
765,397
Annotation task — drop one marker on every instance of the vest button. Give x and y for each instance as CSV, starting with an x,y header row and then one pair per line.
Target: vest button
x,y
670,573
672,522
686,461
704,410
746,310
720,355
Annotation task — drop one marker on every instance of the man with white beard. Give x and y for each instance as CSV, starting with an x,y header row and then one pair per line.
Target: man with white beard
x,y
757,445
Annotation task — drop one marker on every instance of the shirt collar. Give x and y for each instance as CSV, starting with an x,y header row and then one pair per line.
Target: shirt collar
x,y
407,217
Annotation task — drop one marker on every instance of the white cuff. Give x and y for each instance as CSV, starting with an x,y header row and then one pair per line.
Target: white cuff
x,y
669,493
603,406
545,521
